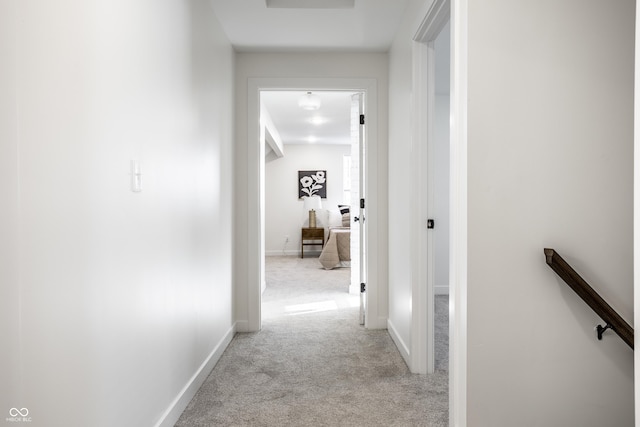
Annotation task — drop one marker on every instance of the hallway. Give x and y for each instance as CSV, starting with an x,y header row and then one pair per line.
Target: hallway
x,y
312,364
130,234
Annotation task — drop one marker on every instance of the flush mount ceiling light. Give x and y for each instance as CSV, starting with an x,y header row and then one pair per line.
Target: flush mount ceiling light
x,y
317,120
309,101
310,4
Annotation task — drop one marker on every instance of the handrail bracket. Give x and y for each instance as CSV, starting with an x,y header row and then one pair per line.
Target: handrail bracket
x,y
600,330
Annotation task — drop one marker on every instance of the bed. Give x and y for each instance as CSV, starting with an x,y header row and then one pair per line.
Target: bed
x,y
337,250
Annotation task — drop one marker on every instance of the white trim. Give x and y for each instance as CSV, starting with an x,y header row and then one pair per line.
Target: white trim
x,y
395,336
422,331
178,405
242,326
255,202
255,172
458,204
293,252
434,20
636,215
289,252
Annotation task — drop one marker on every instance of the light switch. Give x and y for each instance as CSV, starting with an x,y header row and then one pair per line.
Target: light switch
x,y
136,177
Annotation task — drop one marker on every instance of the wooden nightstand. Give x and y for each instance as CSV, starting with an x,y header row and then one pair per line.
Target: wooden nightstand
x,y
311,235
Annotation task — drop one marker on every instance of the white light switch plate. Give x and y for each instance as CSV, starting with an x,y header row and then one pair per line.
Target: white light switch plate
x,y
136,177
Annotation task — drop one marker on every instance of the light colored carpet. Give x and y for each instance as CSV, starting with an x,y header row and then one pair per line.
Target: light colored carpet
x,y
313,365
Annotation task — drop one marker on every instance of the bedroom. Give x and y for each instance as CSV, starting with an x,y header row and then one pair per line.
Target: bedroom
x,y
298,140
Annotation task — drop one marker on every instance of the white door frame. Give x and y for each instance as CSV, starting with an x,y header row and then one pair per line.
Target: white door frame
x,y
255,176
636,214
458,217
422,317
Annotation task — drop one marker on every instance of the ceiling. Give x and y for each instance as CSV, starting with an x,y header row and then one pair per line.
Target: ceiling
x,y
312,25
330,124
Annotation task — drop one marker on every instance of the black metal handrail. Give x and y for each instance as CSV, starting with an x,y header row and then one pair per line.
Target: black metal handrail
x,y
591,297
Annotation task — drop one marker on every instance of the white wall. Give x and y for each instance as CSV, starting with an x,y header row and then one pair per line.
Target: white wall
x,y
284,212
307,66
401,230
550,137
111,300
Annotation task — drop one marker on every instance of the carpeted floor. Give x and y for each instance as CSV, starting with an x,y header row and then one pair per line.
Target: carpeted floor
x,y
313,365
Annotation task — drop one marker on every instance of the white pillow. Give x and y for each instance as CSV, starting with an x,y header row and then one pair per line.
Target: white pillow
x,y
335,218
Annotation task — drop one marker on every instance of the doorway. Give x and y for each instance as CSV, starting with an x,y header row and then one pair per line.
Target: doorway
x,y
438,201
321,140
432,167
436,17
376,296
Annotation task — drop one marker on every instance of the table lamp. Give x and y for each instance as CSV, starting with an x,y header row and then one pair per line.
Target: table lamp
x,y
311,203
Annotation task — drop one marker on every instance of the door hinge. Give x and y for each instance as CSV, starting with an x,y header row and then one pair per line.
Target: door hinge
x,y
363,287
361,119
361,203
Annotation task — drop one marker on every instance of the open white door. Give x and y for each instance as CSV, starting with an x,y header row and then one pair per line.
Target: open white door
x,y
358,258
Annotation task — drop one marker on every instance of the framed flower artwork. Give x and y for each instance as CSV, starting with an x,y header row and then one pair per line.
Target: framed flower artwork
x,y
312,183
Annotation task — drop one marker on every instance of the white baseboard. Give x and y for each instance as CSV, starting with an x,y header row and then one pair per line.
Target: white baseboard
x,y
288,252
379,323
293,252
175,409
242,326
402,347
441,290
